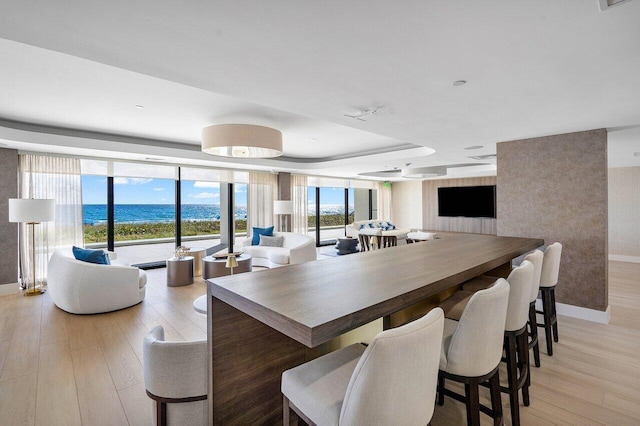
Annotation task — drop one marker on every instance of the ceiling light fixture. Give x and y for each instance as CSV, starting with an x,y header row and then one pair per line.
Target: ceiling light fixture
x,y
140,106
242,141
459,82
474,147
636,154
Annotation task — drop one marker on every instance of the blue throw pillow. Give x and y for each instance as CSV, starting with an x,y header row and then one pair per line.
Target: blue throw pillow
x,y
91,256
361,226
267,232
391,225
371,225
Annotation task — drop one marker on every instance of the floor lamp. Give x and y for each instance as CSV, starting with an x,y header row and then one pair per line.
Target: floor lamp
x,y
283,208
32,212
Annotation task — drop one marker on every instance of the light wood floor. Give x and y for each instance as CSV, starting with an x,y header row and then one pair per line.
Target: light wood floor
x,y
62,369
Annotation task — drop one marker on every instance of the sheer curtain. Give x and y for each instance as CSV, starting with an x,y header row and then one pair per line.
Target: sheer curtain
x,y
384,201
57,178
263,188
299,201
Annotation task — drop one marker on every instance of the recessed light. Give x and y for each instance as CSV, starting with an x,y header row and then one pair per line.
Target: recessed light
x,y
459,82
636,154
154,159
140,106
474,147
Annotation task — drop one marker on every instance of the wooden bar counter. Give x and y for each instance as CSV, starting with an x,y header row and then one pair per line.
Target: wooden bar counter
x,y
262,323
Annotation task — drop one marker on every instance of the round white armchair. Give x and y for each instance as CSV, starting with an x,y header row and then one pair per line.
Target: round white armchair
x,y
87,288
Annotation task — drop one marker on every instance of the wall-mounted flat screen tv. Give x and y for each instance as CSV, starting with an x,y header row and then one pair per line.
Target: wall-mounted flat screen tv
x,y
467,201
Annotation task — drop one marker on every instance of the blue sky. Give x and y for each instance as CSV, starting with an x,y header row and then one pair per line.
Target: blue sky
x,y
329,196
154,191
162,191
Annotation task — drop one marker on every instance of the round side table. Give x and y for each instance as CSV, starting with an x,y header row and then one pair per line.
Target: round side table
x,y
179,271
215,266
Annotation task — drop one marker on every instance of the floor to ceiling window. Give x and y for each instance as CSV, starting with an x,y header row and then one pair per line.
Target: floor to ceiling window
x,y
94,202
200,209
240,211
144,210
334,203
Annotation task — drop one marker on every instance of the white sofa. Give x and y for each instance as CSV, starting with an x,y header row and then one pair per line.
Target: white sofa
x,y
353,229
296,248
88,288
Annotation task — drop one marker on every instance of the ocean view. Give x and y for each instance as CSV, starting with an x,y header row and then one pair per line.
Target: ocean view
x,y
95,214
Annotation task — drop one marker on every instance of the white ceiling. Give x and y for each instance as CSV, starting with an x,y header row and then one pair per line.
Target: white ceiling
x,y
533,69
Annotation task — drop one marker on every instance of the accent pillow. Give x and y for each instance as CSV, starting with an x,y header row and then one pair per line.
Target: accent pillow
x,y
391,225
362,226
271,241
91,256
372,225
260,231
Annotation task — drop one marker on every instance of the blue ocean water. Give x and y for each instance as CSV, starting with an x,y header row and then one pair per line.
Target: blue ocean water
x,y
137,213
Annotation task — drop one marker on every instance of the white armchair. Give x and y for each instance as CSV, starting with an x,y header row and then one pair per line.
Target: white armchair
x,y
87,288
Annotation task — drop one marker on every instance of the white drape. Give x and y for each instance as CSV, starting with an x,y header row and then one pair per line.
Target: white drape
x,y
263,188
299,200
53,178
384,201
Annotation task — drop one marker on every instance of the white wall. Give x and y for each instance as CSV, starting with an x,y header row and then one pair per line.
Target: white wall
x,y
624,212
407,204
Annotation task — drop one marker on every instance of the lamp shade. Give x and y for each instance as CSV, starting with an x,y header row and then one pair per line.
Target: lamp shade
x,y
31,210
282,207
242,141
232,262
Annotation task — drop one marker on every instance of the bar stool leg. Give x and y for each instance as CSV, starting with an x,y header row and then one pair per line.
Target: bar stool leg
x,y
440,390
554,316
496,399
546,313
473,403
533,326
525,371
512,377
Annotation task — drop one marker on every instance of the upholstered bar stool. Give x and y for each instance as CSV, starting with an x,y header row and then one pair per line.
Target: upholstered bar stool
x,y
472,349
536,258
515,332
175,376
548,282
390,382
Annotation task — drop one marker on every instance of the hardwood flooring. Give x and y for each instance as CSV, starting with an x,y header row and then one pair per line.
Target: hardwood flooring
x,y
63,369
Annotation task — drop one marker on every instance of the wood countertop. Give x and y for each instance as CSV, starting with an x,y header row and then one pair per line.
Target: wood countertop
x,y
316,301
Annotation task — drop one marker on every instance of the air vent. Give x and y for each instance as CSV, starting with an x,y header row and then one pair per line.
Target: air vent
x,y
606,4
484,157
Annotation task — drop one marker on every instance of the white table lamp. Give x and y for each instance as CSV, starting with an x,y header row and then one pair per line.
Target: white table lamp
x,y
282,208
32,211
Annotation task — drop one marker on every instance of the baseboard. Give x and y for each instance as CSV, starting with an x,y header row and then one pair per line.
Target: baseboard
x,y
621,258
7,289
602,317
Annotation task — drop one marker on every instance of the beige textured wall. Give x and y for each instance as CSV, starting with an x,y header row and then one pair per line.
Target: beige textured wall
x,y
432,222
555,188
406,199
8,231
624,211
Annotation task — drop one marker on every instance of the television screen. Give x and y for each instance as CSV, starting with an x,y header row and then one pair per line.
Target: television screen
x,y
467,201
